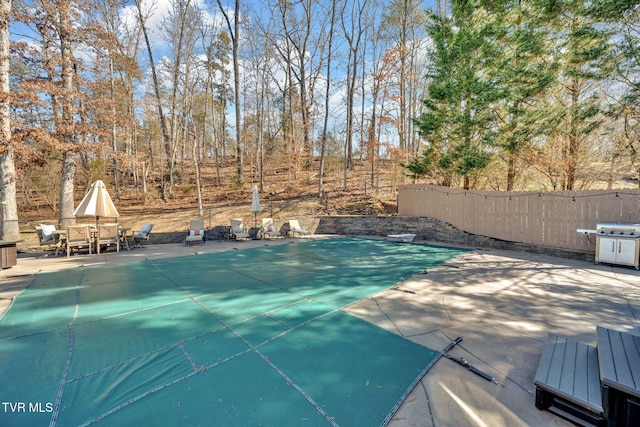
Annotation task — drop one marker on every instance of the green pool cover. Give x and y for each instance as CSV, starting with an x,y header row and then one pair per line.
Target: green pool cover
x,y
238,338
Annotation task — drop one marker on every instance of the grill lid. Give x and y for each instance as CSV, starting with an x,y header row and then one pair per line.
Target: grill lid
x,y
618,229
618,226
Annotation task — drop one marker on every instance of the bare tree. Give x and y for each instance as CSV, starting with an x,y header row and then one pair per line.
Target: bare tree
x,y
402,21
218,77
303,36
259,61
115,47
234,33
353,29
323,142
166,137
180,27
375,78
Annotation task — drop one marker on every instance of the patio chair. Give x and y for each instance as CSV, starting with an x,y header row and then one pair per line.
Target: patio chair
x,y
196,233
108,234
78,236
294,228
237,230
269,230
46,235
142,235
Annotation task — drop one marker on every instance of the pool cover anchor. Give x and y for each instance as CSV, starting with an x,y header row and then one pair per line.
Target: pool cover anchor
x,y
463,362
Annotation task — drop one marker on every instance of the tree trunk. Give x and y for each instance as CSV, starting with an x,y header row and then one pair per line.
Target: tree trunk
x,y
9,229
323,143
196,168
67,128
236,86
114,131
511,171
163,124
234,33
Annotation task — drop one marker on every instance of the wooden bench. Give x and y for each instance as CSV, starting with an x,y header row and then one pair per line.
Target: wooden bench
x,y
568,381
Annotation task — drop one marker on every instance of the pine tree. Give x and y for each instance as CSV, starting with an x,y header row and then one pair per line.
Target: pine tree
x,y
582,48
525,72
458,121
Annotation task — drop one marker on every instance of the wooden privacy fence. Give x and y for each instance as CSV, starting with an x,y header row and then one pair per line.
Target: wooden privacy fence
x,y
537,218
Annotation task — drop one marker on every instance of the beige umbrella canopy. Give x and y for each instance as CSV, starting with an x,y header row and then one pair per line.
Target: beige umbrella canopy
x,y
96,203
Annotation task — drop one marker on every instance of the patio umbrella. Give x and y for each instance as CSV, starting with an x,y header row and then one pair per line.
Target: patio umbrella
x,y
255,205
96,203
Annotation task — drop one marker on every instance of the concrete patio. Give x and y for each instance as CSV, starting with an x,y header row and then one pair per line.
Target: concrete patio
x,y
502,303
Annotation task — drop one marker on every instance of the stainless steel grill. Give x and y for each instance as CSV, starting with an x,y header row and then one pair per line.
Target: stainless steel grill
x,y
618,243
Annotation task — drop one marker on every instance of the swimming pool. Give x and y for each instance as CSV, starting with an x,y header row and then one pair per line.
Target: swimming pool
x,y
250,337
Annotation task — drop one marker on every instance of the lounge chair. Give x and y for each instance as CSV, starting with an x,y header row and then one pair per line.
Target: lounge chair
x,y
142,235
269,230
295,229
108,234
196,233
237,230
78,236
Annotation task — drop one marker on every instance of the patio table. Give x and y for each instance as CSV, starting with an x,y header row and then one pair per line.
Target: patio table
x,y
619,360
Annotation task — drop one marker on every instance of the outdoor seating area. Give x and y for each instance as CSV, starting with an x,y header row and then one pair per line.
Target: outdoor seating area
x,y
94,237
91,239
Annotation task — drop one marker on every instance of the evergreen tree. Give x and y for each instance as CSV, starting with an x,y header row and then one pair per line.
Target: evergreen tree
x,y
525,72
459,121
422,165
582,47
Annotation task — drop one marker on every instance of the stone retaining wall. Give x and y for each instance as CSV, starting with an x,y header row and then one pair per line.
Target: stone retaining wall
x,y
431,230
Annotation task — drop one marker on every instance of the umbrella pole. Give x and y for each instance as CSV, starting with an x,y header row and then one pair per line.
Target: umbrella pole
x,y
255,225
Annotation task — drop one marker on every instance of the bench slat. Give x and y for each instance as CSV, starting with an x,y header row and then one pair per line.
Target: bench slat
x,y
622,370
632,343
568,368
593,376
581,382
557,364
542,373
